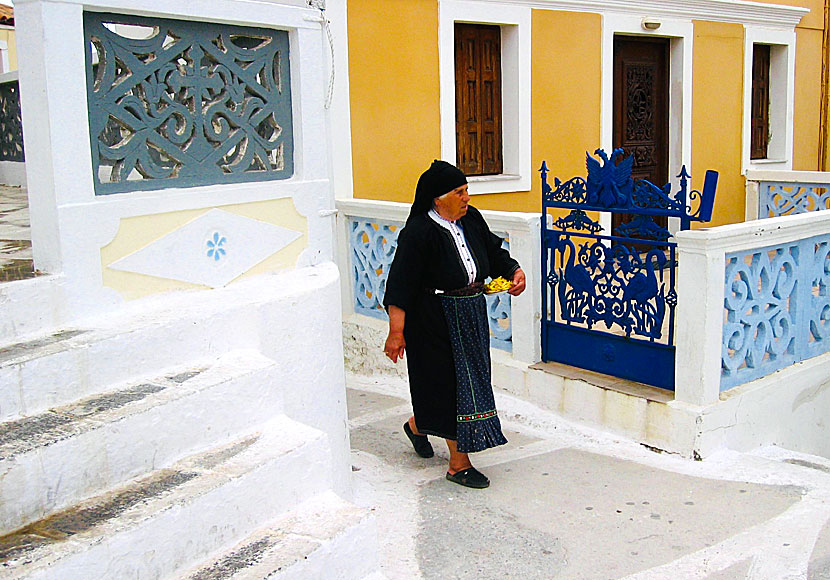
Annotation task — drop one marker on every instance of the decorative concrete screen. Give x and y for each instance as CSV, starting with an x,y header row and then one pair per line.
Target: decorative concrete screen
x,y
777,302
373,244
11,124
174,103
777,199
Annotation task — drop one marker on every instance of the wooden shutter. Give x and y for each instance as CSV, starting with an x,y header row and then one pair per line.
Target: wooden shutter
x,y
478,99
760,101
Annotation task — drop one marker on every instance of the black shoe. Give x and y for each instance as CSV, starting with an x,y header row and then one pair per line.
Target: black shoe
x,y
419,442
470,477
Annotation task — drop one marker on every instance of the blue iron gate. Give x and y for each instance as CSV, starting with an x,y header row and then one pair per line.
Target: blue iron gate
x,y
609,300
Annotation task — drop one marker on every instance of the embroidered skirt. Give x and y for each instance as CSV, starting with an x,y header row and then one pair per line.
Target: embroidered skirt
x,y
478,426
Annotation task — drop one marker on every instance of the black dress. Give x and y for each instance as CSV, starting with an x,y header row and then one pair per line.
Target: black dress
x,y
427,258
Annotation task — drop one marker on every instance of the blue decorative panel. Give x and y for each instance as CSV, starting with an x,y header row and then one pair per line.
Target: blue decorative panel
x,y
777,309
777,199
174,103
373,245
11,123
609,298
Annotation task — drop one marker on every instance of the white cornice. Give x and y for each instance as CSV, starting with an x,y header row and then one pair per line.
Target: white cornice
x,y
738,11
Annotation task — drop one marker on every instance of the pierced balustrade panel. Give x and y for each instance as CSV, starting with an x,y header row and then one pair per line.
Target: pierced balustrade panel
x,y
373,244
776,309
174,103
11,123
778,199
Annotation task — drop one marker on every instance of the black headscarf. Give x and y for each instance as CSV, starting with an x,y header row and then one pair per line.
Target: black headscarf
x,y
440,178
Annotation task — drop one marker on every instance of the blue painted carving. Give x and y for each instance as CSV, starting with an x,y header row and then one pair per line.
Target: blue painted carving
x,y
778,198
188,103
11,123
373,245
215,247
610,297
777,309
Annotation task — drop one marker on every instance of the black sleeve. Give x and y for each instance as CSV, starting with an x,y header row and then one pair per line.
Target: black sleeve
x,y
501,263
405,279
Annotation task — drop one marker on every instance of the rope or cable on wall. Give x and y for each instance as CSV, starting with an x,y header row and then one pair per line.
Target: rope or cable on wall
x,y
321,6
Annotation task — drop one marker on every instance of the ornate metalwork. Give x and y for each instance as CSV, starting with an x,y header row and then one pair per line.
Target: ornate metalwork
x,y
11,123
373,244
614,285
610,299
777,308
178,103
778,198
643,226
578,220
609,187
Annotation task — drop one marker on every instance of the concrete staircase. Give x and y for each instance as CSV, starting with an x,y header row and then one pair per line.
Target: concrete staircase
x,y
163,442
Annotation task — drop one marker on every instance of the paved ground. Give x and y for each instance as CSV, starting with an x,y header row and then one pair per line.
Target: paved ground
x,y
570,503
15,235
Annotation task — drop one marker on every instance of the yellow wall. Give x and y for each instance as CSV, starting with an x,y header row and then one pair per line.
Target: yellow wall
x,y
566,95
393,78
807,114
395,112
717,112
8,36
393,54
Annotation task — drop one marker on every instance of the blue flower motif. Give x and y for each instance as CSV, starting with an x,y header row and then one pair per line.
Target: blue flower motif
x,y
215,249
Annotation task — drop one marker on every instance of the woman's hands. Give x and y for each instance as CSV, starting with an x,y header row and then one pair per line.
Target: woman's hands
x,y
395,346
519,283
395,342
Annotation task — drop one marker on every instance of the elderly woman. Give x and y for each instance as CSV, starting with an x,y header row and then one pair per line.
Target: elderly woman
x,y
438,315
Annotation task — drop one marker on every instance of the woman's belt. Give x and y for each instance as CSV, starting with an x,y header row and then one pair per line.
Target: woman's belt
x,y
471,290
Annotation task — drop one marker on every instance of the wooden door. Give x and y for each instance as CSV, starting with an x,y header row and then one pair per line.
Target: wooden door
x,y
641,109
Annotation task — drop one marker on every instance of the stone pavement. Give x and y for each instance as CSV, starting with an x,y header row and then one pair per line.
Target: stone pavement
x,y
568,502
15,235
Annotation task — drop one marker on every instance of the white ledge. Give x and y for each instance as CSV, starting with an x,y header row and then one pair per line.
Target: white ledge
x,y
755,234
398,212
738,11
793,176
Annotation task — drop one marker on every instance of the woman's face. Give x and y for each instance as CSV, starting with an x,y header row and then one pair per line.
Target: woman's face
x,y
453,205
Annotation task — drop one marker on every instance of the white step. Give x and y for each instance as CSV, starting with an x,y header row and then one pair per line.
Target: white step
x,y
65,365
57,458
176,517
325,538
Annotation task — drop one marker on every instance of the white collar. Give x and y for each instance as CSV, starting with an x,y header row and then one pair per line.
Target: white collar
x,y
442,221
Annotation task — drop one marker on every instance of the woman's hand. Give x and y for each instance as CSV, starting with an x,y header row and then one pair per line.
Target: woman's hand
x,y
395,343
519,283
395,346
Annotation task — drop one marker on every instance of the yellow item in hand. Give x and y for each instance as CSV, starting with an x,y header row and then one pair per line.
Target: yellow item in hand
x,y
497,285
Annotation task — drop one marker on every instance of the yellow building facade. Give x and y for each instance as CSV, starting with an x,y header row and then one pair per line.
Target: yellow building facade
x,y
558,95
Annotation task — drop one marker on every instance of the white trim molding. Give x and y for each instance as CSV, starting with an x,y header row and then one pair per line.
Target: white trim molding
x,y
781,95
737,11
681,38
515,23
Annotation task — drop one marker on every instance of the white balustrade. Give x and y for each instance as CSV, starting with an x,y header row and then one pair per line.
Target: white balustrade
x,y
753,298
368,231
778,193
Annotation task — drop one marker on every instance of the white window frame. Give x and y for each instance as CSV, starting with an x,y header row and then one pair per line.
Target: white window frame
x,y
681,38
515,23
781,97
